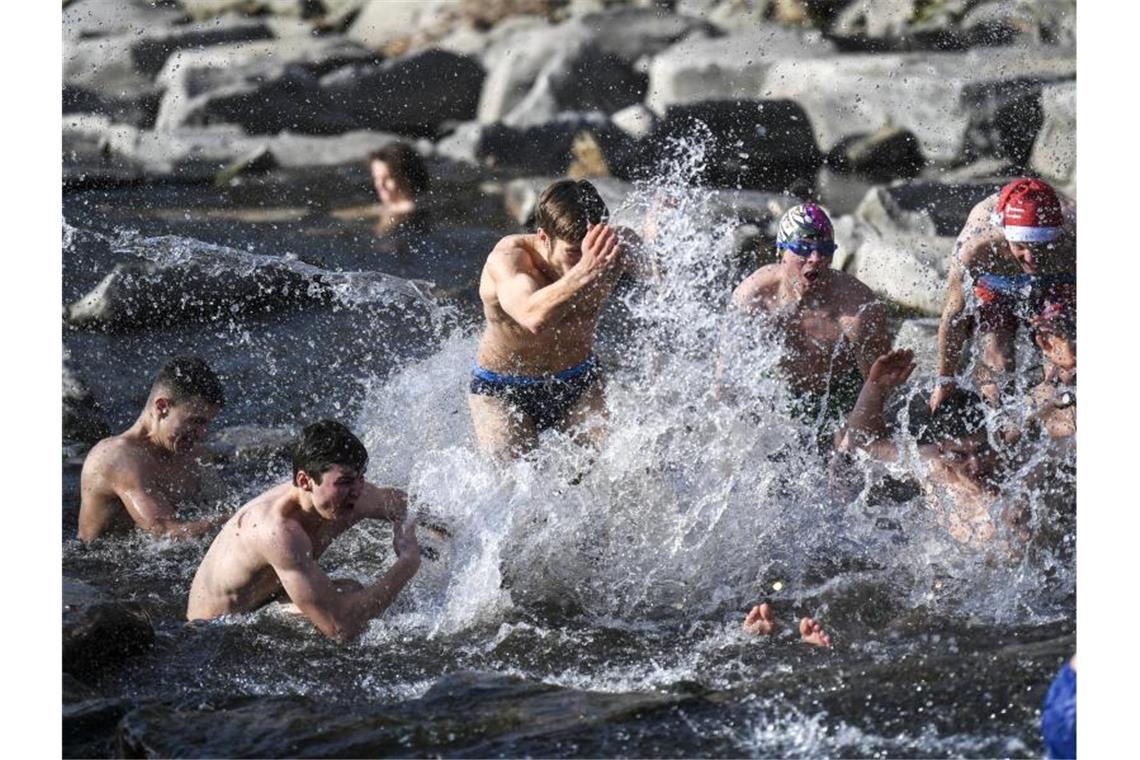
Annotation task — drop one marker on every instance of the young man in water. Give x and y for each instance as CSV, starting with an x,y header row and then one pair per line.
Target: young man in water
x,y
144,473
964,477
833,324
399,177
1018,249
542,295
274,541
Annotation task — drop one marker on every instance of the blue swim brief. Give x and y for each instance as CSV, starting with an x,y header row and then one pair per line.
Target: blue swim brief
x,y
545,399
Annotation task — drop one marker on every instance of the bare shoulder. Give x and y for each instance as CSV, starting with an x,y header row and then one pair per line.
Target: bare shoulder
x,y
751,292
979,234
113,459
510,256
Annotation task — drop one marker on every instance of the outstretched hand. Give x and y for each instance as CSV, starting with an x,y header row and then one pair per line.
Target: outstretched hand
x,y
892,369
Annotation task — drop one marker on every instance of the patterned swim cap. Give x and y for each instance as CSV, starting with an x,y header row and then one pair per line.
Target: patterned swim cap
x,y
806,221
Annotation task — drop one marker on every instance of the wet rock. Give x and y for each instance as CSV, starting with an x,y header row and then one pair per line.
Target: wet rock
x,y
83,420
761,145
174,280
514,63
260,86
100,633
580,79
631,33
945,204
544,149
298,150
1003,22
86,19
637,121
250,442
392,96
886,154
383,22
89,725
732,67
137,108
959,105
1055,150
909,269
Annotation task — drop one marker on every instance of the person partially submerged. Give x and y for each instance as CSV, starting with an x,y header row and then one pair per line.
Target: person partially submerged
x,y
760,621
273,543
142,476
542,296
833,325
400,178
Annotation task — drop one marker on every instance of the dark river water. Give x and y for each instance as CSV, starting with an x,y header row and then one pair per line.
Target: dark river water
x,y
589,602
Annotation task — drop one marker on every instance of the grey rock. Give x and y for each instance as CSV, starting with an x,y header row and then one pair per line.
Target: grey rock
x,y
414,94
637,121
86,19
100,633
581,79
137,107
299,150
959,105
83,419
173,280
1055,150
1002,22
382,22
759,145
629,33
514,63
889,153
262,86
732,67
875,18
920,336
909,269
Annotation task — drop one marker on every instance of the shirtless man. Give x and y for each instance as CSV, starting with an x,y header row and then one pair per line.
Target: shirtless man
x,y
964,477
144,473
834,326
1017,248
542,295
274,541
399,177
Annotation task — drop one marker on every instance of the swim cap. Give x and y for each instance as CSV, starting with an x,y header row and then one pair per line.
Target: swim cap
x,y
806,221
1028,211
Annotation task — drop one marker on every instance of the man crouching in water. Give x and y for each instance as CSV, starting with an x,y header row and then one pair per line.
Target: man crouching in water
x,y
542,294
274,541
145,472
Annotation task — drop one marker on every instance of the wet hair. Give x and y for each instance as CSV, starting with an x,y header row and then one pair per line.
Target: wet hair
x,y
186,377
961,415
567,208
405,164
324,444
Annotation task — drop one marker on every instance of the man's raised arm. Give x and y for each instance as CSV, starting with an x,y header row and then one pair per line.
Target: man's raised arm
x,y
538,308
866,426
953,330
339,615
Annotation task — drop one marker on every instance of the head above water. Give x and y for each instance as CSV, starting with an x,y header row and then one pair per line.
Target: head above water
x,y
398,172
567,208
1029,214
185,397
806,240
325,444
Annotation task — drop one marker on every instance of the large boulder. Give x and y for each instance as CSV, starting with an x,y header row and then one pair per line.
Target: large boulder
x,y
86,19
514,63
580,79
959,105
261,86
1001,22
732,67
887,154
549,148
1055,150
173,280
100,633
760,145
383,22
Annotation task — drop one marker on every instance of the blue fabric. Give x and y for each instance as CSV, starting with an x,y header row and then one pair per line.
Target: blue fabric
x,y
577,370
546,399
1059,718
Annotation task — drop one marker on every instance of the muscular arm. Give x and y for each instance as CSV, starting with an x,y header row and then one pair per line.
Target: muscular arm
x,y
954,328
339,615
120,478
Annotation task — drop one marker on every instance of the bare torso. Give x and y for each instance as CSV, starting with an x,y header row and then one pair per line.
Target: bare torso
x,y
508,347
235,575
823,333
982,247
154,475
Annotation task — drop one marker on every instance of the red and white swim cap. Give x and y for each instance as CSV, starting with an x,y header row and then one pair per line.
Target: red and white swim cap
x,y
1028,211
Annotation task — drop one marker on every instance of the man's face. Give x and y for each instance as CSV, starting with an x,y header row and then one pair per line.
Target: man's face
x,y
1031,256
971,456
337,492
387,188
807,273
561,253
182,426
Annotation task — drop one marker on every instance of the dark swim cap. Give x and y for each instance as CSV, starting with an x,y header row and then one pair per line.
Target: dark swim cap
x,y
807,222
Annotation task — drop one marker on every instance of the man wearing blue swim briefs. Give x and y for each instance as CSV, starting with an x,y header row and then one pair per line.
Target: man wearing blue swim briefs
x,y
1016,252
542,294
